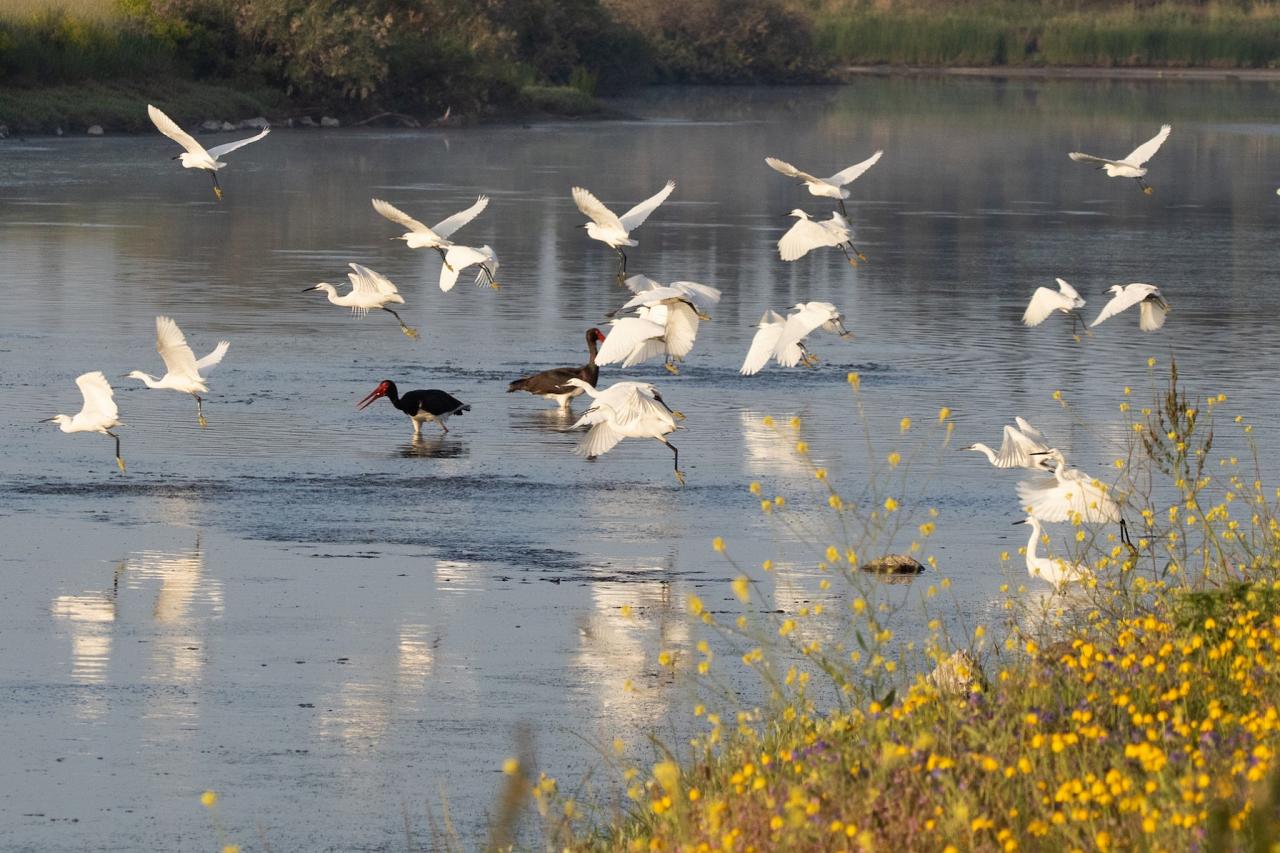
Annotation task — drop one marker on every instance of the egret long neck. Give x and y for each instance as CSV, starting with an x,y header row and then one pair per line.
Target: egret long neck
x,y
147,379
1033,543
985,451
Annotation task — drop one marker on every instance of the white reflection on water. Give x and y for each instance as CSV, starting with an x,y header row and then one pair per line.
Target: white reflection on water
x,y
89,618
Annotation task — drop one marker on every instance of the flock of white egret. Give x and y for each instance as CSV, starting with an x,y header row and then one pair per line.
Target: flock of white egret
x,y
659,320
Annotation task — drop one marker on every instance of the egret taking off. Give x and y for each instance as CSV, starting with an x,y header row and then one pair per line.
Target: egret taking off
x,y
782,338
1070,493
625,410
369,290
832,187
666,322
182,370
1045,301
1023,446
1133,165
458,258
1057,572
809,234
613,230
1151,305
99,413
419,236
196,157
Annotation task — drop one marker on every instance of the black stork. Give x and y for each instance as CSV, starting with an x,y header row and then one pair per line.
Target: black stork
x,y
552,384
420,406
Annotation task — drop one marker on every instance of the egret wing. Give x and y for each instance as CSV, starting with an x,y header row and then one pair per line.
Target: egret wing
x,y
1050,500
702,296
170,128
1016,449
627,334
1025,427
1147,150
99,399
446,227
1126,298
367,281
214,358
226,148
398,216
594,209
790,171
1069,292
681,330
1043,303
800,324
764,344
1151,313
802,238
456,260
636,216
173,348
600,439
1089,158
640,283
851,174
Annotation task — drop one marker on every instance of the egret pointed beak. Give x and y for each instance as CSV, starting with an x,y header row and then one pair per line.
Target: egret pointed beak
x,y
309,289
373,395
45,421
1039,453
1016,523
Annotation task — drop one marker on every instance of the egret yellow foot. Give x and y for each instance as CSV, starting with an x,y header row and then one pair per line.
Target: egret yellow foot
x,y
120,464
680,477
1077,338
200,419
853,262
1148,190
677,414
671,367
861,257
493,285
409,333
218,192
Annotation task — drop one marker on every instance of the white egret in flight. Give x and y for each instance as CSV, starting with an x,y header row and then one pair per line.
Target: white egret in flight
x,y
419,236
625,410
666,322
832,187
458,258
613,230
1151,305
1133,165
809,234
182,369
1045,301
1068,494
782,339
99,413
1057,572
196,157
369,290
1023,446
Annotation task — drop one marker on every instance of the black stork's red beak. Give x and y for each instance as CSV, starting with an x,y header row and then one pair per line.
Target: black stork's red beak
x,y
373,395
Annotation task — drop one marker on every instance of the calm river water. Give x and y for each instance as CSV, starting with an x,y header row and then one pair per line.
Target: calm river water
x,y
302,609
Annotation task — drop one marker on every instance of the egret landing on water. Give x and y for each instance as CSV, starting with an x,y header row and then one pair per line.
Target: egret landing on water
x,y
99,413
1151,305
458,258
666,322
182,370
419,236
553,384
625,410
1045,301
613,230
1069,494
1057,572
809,234
196,157
832,187
1131,166
369,290
420,406
782,338
1023,446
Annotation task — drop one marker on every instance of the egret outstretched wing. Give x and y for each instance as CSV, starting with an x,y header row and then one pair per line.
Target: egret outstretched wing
x,y
99,399
398,216
214,358
1048,499
456,260
227,147
803,237
1025,427
799,325
636,216
764,344
446,227
172,345
789,170
1147,150
1151,314
851,174
1068,291
594,209
1043,303
1089,158
640,283
681,329
627,334
1126,297
1016,448
368,282
601,438
170,128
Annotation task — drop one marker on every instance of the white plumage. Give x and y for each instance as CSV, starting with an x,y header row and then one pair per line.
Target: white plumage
x,y
1023,446
1045,301
1057,572
1151,305
782,339
182,369
625,410
98,414
665,322
832,187
459,258
1132,165
613,230
808,234
1067,494
420,236
369,290
196,156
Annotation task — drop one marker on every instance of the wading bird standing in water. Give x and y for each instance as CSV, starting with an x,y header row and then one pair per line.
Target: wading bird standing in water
x,y
809,234
1023,446
1151,305
419,236
1133,165
369,290
1057,572
182,370
1045,301
832,187
782,338
420,406
625,410
99,413
196,157
553,384
613,230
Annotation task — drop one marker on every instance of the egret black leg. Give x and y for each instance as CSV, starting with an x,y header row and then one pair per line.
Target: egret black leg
x,y
1124,534
676,461
413,333
217,188
444,258
119,458
200,411
622,265
857,251
843,212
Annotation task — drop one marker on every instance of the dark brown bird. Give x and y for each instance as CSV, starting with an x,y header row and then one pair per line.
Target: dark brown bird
x,y
420,406
550,384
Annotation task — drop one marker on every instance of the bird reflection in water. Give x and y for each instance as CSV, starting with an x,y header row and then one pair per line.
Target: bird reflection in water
x,y
436,447
543,420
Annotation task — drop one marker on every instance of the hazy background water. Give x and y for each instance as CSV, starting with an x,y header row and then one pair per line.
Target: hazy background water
x,y
302,609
